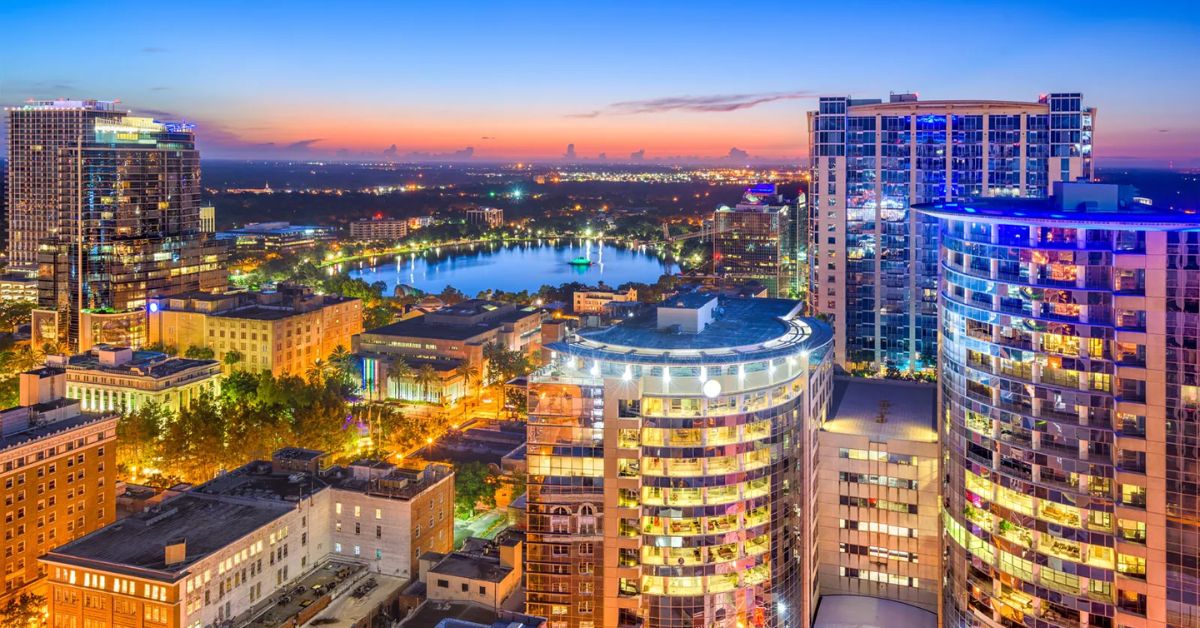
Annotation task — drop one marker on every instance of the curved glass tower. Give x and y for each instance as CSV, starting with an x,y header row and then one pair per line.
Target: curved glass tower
x,y
1069,382
670,468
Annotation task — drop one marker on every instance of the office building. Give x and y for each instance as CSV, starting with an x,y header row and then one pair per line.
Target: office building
x,y
593,300
282,331
18,287
1069,400
443,340
208,219
671,475
260,237
224,551
105,207
874,260
487,217
379,229
762,239
879,514
58,467
120,379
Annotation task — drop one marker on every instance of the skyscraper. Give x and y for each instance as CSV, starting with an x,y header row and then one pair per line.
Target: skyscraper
x,y
1070,403
762,239
670,463
873,260
108,206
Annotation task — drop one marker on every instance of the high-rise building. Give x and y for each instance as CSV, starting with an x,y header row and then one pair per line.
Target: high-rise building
x,y
1070,404
873,260
762,239
58,466
107,206
670,461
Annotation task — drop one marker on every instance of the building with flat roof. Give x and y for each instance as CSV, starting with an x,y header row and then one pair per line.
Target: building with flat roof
x,y
120,379
762,239
443,614
1071,402
865,611
489,217
443,340
58,468
670,462
879,526
379,229
593,300
484,572
874,261
269,236
282,331
222,551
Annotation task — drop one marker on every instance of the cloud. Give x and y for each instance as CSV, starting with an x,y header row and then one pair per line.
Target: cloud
x,y
390,151
698,104
159,88
153,50
487,137
737,153
302,144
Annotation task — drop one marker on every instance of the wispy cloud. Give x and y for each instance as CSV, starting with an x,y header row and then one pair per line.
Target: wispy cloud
x,y
720,103
153,50
302,144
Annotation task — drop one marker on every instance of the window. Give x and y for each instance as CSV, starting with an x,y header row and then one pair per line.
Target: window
x,y
443,584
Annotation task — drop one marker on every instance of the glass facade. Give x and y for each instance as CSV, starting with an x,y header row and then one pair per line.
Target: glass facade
x,y
1069,414
682,482
872,259
763,239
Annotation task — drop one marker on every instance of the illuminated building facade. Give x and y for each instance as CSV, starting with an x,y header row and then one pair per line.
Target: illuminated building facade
x,y
107,205
761,239
670,461
1070,403
874,260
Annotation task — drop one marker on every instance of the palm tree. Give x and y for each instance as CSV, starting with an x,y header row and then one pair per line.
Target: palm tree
x,y
342,362
317,372
426,377
398,370
470,376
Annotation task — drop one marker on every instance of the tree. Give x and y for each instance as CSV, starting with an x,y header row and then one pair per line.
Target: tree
x,y
473,485
318,372
13,314
452,296
23,611
470,376
232,357
399,371
138,434
376,316
198,353
426,377
343,364
194,443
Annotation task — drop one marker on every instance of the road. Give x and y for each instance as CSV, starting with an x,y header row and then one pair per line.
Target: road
x,y
485,524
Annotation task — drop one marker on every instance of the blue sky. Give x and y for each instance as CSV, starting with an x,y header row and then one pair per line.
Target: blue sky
x,y
524,79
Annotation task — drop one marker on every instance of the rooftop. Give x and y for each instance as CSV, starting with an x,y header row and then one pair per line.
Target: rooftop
x,y
861,611
856,405
471,566
440,614
142,363
22,437
1092,204
741,329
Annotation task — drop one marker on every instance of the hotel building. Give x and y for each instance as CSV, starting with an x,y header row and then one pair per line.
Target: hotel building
x,y
1070,403
219,554
58,479
873,261
671,476
283,332
879,514
379,229
761,239
119,379
107,205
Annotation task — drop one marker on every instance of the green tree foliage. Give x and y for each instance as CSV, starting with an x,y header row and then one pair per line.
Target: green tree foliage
x,y
198,353
232,357
138,433
473,485
23,611
13,314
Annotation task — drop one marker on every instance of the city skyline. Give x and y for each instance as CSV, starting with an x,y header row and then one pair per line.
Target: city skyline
x,y
525,81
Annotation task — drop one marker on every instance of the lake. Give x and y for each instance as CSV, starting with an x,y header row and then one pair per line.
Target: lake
x,y
515,266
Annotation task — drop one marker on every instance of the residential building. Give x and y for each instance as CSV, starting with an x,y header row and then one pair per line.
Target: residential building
x,y
671,472
223,551
762,239
120,379
593,300
879,514
208,219
379,229
874,260
58,471
18,287
274,236
1070,399
282,331
488,217
420,222
484,572
104,206
443,340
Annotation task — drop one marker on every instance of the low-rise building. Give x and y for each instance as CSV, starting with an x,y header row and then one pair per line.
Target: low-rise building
x,y
269,236
420,222
283,331
879,532
490,217
484,572
378,229
593,300
224,552
57,475
119,379
443,341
